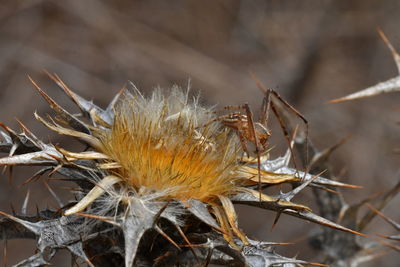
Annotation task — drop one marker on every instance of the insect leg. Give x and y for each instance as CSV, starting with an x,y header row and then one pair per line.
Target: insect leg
x,y
298,114
252,131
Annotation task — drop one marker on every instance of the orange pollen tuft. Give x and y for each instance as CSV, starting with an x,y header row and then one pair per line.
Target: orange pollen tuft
x,y
171,156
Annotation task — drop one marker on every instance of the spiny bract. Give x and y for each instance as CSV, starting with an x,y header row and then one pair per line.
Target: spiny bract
x,y
158,172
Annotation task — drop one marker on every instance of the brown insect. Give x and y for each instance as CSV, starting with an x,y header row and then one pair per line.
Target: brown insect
x,y
257,132
245,127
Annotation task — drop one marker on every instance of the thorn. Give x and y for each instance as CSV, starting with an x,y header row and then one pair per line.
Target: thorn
x,y
10,173
68,188
24,128
157,216
278,215
187,241
395,55
109,220
37,175
4,171
330,190
12,209
161,232
55,169
58,200
326,153
387,219
390,245
282,243
305,184
208,259
63,179
25,204
162,257
317,264
37,211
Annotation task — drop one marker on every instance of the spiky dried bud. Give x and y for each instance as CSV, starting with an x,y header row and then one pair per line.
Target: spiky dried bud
x,y
160,174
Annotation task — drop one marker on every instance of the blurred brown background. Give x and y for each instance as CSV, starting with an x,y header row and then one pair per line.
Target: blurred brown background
x,y
309,51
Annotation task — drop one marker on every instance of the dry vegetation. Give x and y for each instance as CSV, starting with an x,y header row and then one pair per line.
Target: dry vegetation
x,y
310,51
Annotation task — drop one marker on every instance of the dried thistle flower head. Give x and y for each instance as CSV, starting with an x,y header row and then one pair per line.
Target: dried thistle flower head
x,y
160,147
158,171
